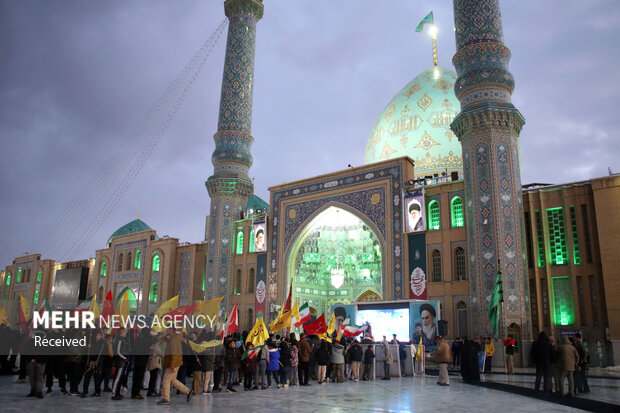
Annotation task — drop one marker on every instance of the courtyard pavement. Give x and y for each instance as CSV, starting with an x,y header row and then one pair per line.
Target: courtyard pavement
x,y
408,394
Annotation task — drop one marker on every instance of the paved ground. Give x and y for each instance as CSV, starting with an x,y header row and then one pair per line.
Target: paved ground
x,y
419,394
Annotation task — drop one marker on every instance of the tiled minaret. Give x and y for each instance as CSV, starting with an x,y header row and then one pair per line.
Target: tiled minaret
x,y
230,186
488,128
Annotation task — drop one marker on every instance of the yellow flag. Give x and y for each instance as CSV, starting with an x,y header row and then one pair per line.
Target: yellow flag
x,y
326,337
123,308
94,307
208,308
259,333
332,324
3,318
418,354
295,310
340,330
281,322
200,347
25,307
170,305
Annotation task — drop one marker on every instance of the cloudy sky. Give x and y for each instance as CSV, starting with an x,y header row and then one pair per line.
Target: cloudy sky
x,y
77,77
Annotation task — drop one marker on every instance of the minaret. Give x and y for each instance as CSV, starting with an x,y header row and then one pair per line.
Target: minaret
x,y
230,186
488,128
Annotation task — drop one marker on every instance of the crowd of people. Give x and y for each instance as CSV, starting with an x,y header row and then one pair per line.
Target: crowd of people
x,y
158,361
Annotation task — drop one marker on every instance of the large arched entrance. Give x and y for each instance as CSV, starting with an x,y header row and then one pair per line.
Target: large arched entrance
x,y
335,258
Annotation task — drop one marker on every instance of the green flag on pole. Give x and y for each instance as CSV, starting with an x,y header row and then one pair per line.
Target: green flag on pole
x,y
427,19
496,298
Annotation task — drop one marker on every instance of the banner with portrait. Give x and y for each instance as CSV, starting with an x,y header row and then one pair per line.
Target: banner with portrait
x,y
259,229
423,318
417,266
260,297
414,211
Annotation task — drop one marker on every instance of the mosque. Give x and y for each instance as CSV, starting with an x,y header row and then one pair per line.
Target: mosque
x,y
435,213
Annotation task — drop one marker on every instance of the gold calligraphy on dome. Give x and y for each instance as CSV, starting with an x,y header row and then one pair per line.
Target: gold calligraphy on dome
x,y
375,137
441,119
390,112
424,102
412,90
405,124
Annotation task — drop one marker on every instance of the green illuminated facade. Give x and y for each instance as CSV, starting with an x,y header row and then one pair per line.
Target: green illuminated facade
x,y
563,306
457,212
573,223
540,246
557,236
434,221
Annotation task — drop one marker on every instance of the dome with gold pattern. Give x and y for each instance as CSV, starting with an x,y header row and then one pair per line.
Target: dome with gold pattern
x,y
416,123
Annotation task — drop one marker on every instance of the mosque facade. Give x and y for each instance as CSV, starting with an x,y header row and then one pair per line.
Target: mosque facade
x,y
440,193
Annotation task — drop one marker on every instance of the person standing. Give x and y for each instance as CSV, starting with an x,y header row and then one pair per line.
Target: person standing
x,y
232,361
173,359
470,368
248,365
94,364
567,359
154,365
443,357
489,349
35,367
273,368
387,358
581,373
285,363
540,353
337,360
141,358
509,343
323,357
356,354
305,349
121,355
262,361
294,361
369,357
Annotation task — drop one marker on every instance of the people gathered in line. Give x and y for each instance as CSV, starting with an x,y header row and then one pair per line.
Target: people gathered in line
x,y
159,361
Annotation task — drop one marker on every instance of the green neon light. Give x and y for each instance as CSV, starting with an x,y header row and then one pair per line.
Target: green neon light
x,y
8,279
457,212
573,222
251,242
153,293
563,305
156,262
137,260
557,236
39,276
434,222
36,297
19,275
239,249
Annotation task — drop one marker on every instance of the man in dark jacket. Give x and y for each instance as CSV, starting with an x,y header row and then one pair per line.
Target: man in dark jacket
x,y
232,362
369,362
356,354
540,353
305,350
470,369
581,372
94,363
141,357
35,366
121,356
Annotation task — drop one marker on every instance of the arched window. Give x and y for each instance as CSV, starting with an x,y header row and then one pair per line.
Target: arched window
x,y
433,216
8,279
153,293
436,265
237,283
457,212
137,260
19,275
119,267
29,276
36,297
156,262
128,261
461,318
39,274
460,267
103,269
251,242
251,280
239,249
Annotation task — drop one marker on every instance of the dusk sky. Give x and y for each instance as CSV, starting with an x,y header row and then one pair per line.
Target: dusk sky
x,y
78,76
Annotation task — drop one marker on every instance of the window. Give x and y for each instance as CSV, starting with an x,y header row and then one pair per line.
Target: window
x,y
237,283
39,274
528,239
457,212
539,240
250,319
586,231
433,215
581,300
251,280
8,279
28,275
557,236
103,269
594,295
545,301
459,264
137,260
563,306
436,265
19,275
156,262
573,223
128,261
534,304
461,317
153,293
239,249
119,267
251,242
36,297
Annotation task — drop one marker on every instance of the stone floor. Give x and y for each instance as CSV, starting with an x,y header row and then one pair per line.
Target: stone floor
x,y
419,394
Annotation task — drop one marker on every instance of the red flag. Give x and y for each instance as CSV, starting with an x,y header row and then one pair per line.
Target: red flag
x,y
289,300
108,307
232,322
316,327
179,313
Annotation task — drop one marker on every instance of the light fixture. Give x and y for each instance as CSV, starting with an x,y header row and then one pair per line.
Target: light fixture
x,y
337,276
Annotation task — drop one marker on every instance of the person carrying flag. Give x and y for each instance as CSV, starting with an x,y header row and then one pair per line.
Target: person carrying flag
x,y
173,359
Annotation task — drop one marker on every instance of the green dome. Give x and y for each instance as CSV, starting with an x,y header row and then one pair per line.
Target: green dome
x,y
416,123
255,203
134,226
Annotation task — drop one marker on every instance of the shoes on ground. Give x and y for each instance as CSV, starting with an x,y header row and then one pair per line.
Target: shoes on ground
x,y
117,397
189,395
163,402
137,397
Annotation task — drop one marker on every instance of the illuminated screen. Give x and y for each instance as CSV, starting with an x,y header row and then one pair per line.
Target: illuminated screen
x,y
385,322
